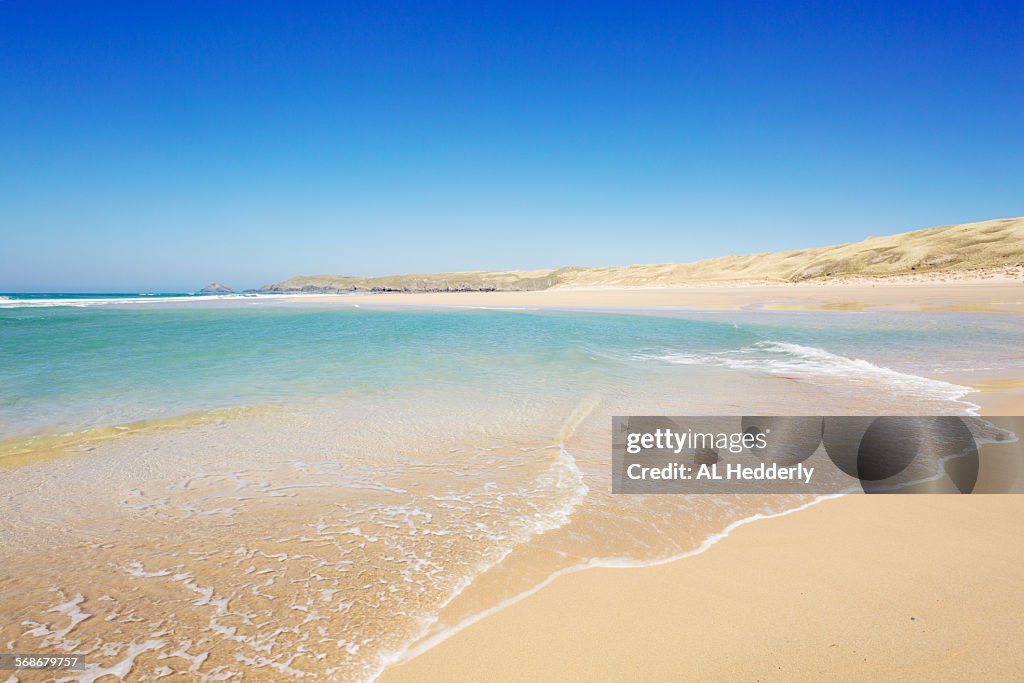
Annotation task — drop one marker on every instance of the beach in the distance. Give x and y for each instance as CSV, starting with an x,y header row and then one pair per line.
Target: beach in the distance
x,y
996,294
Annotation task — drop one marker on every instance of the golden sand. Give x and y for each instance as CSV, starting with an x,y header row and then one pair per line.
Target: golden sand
x,y
862,587
787,598
994,295
946,251
17,452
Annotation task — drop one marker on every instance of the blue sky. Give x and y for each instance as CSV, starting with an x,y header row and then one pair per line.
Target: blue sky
x,y
156,146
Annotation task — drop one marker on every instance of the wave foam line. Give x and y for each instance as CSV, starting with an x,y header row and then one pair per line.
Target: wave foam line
x,y
811,362
566,476
86,302
607,563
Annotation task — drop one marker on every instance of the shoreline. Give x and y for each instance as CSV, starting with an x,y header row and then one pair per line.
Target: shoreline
x,y
996,295
423,646
592,609
931,292
601,623
711,617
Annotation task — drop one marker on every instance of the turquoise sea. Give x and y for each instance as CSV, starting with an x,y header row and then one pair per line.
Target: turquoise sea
x,y
83,364
315,487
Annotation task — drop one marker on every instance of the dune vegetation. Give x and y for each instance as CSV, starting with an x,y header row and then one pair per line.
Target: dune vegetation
x,y
949,248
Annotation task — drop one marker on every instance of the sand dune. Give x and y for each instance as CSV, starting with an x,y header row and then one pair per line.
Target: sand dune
x,y
947,249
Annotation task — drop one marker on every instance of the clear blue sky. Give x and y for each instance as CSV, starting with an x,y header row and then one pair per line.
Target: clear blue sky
x,y
156,146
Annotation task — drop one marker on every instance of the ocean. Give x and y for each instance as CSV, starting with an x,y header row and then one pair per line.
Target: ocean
x,y
209,485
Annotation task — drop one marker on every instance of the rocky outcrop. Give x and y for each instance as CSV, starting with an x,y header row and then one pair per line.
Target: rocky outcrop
x,y
216,288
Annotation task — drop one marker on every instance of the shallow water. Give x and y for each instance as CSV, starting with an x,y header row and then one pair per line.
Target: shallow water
x,y
397,473
72,368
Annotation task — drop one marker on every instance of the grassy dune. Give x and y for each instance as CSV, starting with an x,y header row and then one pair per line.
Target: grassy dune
x,y
950,248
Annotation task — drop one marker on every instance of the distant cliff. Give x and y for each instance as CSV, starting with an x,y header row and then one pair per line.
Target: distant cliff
x,y
971,246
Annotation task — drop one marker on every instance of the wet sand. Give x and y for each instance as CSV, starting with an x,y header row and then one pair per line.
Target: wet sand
x,y
712,613
786,599
859,587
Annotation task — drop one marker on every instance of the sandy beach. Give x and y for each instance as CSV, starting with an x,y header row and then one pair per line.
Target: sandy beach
x,y
785,598
790,598
395,342
326,507
995,294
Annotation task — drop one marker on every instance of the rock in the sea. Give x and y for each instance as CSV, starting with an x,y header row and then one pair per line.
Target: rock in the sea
x,y
216,288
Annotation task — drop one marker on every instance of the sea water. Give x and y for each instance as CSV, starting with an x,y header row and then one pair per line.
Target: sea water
x,y
228,485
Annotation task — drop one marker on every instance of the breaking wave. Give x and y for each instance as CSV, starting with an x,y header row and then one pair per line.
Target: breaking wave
x,y
816,364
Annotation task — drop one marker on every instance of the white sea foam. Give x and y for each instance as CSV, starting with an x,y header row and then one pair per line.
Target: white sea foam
x,y
563,476
59,638
610,563
89,302
812,363
122,668
498,515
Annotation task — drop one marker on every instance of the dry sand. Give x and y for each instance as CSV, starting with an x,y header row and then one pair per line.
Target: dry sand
x,y
860,587
970,267
857,588
949,249
996,293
